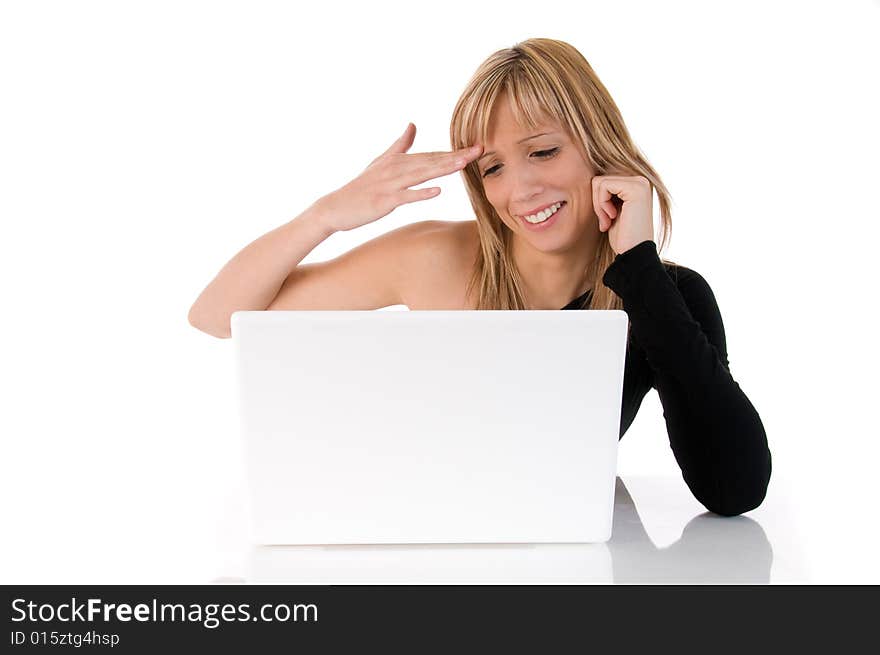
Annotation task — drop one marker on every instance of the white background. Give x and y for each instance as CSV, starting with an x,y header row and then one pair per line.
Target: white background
x,y
143,144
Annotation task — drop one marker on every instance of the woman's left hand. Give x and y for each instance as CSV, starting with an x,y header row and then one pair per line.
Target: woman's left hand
x,y
629,217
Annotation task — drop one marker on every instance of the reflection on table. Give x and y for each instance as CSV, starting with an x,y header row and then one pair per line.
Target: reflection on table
x,y
711,549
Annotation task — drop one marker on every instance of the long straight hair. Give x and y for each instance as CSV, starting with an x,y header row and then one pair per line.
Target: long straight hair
x,y
544,79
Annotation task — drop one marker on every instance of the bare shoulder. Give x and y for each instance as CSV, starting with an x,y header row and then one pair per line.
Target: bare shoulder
x,y
444,258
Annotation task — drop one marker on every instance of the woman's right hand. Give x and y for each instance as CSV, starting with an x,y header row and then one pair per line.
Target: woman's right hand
x,y
384,184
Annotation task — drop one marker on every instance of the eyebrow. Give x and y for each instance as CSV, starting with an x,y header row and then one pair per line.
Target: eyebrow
x,y
528,138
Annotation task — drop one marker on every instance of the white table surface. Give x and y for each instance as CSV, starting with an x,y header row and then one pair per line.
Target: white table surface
x,y
663,537
168,533
183,519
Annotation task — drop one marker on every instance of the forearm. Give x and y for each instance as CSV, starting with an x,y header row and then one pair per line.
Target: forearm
x,y
719,443
715,432
253,277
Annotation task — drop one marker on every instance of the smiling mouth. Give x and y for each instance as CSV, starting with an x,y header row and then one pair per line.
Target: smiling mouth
x,y
543,215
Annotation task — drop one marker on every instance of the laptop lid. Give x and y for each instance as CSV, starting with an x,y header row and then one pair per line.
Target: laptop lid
x,y
430,426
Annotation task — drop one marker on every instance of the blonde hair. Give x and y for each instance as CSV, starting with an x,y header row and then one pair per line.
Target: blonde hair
x,y
544,78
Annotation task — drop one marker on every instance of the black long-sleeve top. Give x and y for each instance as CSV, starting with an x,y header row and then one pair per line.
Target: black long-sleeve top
x,y
677,346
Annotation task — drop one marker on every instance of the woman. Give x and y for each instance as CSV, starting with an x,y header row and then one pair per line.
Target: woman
x,y
563,202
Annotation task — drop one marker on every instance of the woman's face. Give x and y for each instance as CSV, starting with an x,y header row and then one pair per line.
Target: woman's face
x,y
523,175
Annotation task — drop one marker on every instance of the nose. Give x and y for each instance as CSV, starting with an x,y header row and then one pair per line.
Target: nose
x,y
526,185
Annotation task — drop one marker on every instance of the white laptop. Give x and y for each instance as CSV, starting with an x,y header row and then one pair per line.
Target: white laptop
x,y
386,427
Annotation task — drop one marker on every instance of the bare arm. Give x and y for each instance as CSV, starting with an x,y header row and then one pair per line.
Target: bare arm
x,y
251,279
267,273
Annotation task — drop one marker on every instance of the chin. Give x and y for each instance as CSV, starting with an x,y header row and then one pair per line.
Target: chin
x,y
559,237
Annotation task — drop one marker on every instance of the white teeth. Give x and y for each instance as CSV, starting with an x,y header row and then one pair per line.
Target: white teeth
x,y
542,216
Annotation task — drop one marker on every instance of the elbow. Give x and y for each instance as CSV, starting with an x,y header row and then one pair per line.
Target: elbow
x,y
742,492
736,490
220,330
736,505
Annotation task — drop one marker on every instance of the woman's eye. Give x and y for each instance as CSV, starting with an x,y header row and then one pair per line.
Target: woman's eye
x,y
543,154
546,153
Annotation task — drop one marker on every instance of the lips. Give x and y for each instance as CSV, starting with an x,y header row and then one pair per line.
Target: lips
x,y
546,224
532,212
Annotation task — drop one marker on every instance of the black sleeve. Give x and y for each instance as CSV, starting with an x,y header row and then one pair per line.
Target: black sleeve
x,y
714,430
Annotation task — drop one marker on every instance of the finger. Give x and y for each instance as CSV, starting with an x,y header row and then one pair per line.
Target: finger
x,y
604,220
414,195
438,156
405,141
610,208
435,165
446,157
608,200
